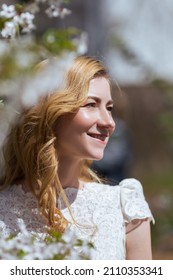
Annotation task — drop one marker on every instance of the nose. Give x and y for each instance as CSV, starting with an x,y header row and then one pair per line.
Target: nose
x,y
106,120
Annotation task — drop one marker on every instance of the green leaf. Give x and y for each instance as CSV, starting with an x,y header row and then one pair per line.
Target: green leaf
x,y
21,254
58,40
19,8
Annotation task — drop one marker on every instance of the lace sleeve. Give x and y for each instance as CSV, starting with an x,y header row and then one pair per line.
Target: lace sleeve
x,y
134,205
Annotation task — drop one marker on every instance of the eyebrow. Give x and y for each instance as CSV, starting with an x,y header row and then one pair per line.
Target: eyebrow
x,y
99,99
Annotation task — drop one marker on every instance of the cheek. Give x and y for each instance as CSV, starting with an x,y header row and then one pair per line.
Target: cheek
x,y
73,125
82,121
113,127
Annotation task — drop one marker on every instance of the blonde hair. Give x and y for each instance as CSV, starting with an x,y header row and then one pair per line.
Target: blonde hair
x,y
29,150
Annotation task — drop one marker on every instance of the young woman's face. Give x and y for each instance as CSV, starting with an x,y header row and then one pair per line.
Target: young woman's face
x,y
84,135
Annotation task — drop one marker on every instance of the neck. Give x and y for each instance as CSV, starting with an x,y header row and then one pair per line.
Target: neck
x,y
68,173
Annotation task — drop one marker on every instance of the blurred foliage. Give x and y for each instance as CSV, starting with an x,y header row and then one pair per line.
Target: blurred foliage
x,y
53,42
166,118
57,40
118,43
159,189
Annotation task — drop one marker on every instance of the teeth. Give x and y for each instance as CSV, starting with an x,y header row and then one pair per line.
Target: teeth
x,y
101,137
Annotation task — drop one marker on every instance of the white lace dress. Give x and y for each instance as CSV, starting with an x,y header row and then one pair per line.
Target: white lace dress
x,y
101,210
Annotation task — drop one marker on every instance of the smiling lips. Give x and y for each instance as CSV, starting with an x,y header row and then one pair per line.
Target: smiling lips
x,y
101,137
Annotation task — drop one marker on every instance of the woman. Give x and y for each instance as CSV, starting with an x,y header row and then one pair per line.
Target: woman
x,y
47,166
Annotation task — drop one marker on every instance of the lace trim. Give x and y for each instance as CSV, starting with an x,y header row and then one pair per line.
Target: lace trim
x,y
17,205
134,205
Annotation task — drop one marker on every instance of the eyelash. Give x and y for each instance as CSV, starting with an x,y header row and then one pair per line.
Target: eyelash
x,y
110,108
93,105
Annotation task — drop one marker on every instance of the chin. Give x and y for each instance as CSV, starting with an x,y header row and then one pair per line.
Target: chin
x,y
96,157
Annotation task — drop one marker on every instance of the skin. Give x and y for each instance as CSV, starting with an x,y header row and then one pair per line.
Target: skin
x,y
84,135
138,240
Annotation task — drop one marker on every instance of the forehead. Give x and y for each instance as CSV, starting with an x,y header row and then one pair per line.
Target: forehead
x,y
99,86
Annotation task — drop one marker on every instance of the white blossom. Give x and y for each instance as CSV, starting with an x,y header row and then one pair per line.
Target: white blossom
x,y
64,12
25,20
8,11
55,10
17,19
34,248
9,29
69,236
74,255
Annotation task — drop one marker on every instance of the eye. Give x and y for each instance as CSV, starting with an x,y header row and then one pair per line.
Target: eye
x,y
90,105
110,108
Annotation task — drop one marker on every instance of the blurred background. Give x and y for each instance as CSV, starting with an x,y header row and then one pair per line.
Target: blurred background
x,y
135,40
